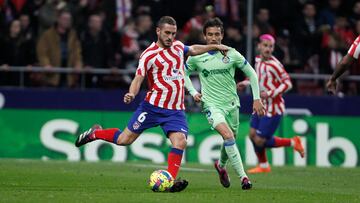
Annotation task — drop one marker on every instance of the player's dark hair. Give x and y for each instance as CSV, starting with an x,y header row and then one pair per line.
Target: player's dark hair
x,y
166,20
213,22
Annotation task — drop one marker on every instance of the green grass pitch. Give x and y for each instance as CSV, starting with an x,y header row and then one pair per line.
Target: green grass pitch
x,y
60,181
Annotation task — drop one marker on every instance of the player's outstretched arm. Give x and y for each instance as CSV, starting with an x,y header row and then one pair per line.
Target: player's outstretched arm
x,y
251,74
258,107
134,89
200,49
341,67
190,87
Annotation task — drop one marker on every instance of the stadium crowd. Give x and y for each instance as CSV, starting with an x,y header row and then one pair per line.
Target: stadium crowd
x,y
311,36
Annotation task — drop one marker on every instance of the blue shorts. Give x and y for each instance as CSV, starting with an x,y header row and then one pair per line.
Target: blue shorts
x,y
148,116
265,126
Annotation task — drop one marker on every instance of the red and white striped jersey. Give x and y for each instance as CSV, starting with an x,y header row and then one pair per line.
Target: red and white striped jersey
x,y
354,50
165,72
275,81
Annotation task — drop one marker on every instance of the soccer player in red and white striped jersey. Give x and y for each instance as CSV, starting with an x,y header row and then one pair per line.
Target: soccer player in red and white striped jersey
x,y
165,75
163,64
345,63
273,82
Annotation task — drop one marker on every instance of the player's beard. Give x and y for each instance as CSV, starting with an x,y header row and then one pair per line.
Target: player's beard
x,y
166,43
266,55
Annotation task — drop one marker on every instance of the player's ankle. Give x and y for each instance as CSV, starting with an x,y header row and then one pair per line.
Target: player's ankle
x,y
264,165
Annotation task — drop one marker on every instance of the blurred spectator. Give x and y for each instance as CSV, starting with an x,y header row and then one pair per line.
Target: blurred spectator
x,y
136,37
158,8
12,9
227,10
32,8
234,38
2,19
285,51
336,42
48,13
82,9
59,46
355,16
331,54
117,13
97,50
26,29
192,30
262,21
144,26
328,14
343,29
306,33
254,41
15,50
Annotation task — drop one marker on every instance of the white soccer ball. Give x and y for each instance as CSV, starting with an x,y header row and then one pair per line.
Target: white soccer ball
x,y
160,181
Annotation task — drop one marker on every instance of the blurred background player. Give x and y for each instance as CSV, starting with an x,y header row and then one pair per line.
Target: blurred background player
x,y
345,63
219,97
273,82
163,63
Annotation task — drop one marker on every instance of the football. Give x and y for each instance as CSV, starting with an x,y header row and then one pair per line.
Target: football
x,y
160,181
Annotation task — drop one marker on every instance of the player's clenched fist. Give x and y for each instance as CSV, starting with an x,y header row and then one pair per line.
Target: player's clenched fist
x,y
128,98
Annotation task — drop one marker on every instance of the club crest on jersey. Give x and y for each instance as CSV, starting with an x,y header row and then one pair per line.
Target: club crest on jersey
x,y
136,125
226,59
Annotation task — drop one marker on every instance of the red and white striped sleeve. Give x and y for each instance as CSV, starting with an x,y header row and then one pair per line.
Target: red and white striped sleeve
x,y
354,50
179,44
282,77
145,60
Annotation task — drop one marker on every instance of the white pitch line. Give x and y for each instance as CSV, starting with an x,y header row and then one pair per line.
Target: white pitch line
x,y
162,166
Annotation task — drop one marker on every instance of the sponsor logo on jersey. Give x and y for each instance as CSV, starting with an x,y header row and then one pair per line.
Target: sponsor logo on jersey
x,y
173,77
206,73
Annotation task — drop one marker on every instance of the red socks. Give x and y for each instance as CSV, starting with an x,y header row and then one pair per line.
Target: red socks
x,y
262,156
282,142
110,135
174,161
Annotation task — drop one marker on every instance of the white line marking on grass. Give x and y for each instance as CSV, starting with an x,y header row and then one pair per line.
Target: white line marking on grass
x,y
164,167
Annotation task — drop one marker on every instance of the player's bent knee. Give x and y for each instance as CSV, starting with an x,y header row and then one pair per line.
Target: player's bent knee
x,y
252,134
260,142
180,144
